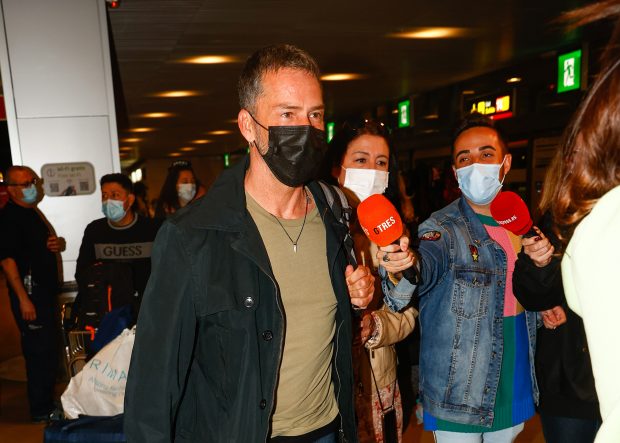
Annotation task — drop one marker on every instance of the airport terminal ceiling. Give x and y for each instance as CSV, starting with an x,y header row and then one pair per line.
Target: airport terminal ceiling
x,y
169,106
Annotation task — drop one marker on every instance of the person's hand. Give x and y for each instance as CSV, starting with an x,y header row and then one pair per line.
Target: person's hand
x,y
55,244
554,317
361,285
539,249
396,258
368,327
27,309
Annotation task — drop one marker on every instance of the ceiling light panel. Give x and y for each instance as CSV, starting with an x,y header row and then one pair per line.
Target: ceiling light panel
x,y
211,59
157,115
341,76
142,130
176,94
220,132
431,33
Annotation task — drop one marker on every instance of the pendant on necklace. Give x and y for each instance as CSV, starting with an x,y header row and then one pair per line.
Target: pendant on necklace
x,y
295,248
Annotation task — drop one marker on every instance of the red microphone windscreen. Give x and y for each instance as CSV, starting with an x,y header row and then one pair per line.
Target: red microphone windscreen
x,y
379,220
509,210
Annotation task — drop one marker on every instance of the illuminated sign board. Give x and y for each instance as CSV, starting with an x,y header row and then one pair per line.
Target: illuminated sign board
x,y
495,107
404,120
330,127
569,71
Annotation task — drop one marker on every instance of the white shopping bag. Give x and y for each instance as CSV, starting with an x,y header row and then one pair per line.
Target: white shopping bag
x,y
99,388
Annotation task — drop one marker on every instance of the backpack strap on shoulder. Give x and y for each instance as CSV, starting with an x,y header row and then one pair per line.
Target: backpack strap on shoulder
x,y
339,205
337,202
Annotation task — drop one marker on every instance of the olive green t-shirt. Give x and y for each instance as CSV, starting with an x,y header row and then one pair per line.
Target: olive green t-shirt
x,y
305,399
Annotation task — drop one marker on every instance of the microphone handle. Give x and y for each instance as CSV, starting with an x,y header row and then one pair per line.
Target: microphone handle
x,y
411,274
530,233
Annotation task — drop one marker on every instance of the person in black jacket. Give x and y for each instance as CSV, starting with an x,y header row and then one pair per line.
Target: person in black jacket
x,y
568,405
117,246
244,333
28,256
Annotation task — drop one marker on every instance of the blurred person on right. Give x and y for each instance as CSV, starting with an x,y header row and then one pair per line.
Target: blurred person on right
x,y
586,209
179,189
568,407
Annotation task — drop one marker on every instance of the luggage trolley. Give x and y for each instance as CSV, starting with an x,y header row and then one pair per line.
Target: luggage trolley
x,y
76,350
75,341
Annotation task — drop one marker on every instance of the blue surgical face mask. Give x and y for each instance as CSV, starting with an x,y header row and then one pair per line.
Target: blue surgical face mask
x,y
479,182
114,210
30,194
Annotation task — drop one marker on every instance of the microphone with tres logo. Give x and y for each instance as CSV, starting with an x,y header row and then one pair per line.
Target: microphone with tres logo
x,y
509,210
382,224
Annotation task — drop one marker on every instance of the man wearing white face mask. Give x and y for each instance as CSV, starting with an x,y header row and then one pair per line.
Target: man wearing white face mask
x,y
122,237
28,254
477,344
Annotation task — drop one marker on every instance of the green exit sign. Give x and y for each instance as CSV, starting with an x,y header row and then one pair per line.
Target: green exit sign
x,y
226,160
330,128
569,71
403,114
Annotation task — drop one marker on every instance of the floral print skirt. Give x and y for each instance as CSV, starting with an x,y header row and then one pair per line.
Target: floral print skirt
x,y
368,410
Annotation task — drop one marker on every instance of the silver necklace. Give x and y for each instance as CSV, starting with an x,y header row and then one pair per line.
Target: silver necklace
x,y
302,225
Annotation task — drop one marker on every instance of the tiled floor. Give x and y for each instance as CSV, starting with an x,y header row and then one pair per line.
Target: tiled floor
x,y
16,428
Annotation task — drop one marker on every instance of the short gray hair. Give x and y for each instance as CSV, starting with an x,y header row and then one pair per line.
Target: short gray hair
x,y
271,59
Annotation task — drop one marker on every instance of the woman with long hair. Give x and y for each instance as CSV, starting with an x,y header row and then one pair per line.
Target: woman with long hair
x,y
586,214
568,405
360,161
178,190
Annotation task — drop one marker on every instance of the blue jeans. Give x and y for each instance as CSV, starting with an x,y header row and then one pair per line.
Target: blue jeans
x,y
504,436
329,438
567,429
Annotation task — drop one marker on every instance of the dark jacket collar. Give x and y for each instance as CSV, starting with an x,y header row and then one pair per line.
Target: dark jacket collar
x,y
224,206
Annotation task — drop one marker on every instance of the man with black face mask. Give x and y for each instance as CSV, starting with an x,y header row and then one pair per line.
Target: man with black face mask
x,y
247,315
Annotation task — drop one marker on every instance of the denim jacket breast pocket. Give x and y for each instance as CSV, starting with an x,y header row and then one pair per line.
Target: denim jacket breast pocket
x,y
472,289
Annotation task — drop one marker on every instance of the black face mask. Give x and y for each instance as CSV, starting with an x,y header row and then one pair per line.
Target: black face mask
x,y
295,152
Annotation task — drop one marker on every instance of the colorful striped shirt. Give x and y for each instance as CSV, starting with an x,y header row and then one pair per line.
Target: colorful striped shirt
x,y
514,402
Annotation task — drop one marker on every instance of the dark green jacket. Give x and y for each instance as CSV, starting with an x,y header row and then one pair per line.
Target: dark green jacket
x,y
210,333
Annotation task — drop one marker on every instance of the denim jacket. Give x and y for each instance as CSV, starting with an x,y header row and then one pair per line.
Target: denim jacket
x,y
461,316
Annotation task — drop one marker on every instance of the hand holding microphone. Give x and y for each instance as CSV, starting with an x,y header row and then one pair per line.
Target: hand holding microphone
x,y
510,211
381,223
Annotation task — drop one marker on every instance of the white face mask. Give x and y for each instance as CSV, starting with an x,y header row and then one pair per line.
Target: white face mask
x,y
479,182
186,192
365,182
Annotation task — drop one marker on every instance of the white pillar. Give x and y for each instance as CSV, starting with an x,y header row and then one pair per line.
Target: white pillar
x,y
57,82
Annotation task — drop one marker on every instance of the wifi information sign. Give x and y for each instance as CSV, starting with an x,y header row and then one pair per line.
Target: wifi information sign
x,y
569,71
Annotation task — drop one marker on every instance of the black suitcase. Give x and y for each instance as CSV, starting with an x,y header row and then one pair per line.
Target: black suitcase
x,y
86,429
